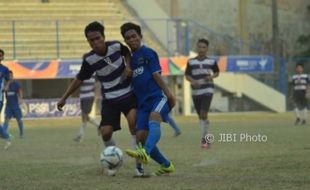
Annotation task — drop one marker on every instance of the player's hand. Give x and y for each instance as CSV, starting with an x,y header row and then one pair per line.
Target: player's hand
x,y
195,83
171,101
21,101
60,104
209,78
127,72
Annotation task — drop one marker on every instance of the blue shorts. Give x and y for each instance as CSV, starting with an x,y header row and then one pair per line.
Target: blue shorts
x,y
159,105
13,112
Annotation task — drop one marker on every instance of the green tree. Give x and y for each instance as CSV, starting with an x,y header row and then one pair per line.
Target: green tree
x,y
304,42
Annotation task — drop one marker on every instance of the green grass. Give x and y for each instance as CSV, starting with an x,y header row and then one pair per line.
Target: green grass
x,y
48,159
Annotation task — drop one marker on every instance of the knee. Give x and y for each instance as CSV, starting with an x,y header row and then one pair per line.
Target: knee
x,y
155,117
106,133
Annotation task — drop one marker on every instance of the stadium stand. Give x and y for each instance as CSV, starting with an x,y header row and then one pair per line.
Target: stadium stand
x,y
52,29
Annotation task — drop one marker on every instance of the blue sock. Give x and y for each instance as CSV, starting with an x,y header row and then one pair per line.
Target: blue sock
x,y
5,125
21,127
172,124
159,158
3,133
153,136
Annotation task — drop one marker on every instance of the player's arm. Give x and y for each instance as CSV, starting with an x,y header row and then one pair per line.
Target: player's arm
x,y
75,84
85,73
20,95
155,69
7,81
216,72
164,87
291,88
127,56
188,77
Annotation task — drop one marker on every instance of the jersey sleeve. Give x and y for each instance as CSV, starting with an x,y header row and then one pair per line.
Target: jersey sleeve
x,y
124,50
85,72
7,74
153,62
215,67
188,69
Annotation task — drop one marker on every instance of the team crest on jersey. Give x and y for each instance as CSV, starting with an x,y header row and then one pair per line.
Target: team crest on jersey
x,y
140,60
138,71
108,60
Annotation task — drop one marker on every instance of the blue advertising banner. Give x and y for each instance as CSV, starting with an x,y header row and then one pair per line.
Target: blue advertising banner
x,y
68,69
42,108
250,64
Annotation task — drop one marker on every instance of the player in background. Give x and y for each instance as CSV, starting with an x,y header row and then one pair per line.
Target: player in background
x,y
4,77
108,60
87,97
14,98
299,86
154,99
200,72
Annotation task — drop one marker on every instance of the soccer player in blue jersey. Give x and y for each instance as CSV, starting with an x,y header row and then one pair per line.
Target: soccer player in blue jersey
x,y
107,60
200,72
154,98
4,77
14,97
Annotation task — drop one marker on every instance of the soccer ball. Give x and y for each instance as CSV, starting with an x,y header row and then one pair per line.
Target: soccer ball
x,y
111,159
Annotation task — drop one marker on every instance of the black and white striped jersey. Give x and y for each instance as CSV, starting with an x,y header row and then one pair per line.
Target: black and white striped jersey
x,y
109,69
198,70
87,89
300,82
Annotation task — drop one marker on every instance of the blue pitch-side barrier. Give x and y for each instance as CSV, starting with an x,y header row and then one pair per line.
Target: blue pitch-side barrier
x,y
44,108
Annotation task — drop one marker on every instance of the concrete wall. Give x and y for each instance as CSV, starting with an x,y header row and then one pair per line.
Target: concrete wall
x,y
223,16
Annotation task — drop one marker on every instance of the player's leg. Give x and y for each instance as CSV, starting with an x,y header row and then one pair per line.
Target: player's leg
x,y
6,137
160,112
18,116
110,122
297,104
204,122
166,166
197,104
8,115
81,132
304,109
129,109
174,126
91,120
141,135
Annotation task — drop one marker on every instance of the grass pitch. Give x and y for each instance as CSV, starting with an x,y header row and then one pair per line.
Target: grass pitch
x,y
48,159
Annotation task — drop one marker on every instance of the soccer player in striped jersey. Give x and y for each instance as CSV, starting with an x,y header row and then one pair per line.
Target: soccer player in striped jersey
x,y
4,78
154,98
200,72
299,86
108,60
87,97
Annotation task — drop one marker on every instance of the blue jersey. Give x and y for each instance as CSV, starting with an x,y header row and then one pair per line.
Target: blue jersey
x,y
4,75
12,95
144,64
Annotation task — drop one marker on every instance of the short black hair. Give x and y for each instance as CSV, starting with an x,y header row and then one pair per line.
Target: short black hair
x,y
10,71
203,40
130,26
94,27
300,64
1,51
